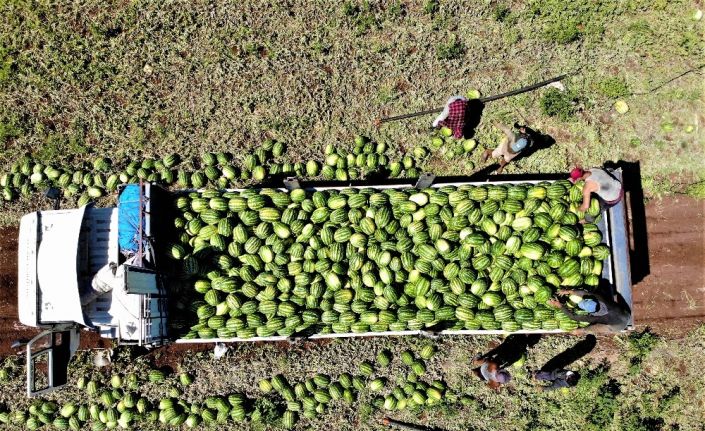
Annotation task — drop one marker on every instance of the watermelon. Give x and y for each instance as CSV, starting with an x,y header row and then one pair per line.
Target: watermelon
x,y
492,298
533,251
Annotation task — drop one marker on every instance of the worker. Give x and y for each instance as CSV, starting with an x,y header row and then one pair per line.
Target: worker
x,y
559,379
604,314
512,144
607,187
490,371
453,116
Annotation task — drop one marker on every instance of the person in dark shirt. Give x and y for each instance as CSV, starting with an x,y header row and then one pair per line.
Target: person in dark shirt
x,y
605,315
558,378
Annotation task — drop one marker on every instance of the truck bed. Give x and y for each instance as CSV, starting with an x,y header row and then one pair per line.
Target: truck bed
x,y
615,270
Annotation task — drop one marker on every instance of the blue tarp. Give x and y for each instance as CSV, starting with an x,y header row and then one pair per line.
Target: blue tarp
x,y
129,218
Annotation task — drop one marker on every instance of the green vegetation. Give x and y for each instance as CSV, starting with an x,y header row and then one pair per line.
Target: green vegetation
x,y
564,23
613,88
665,394
556,103
640,345
431,6
501,12
450,49
140,80
696,190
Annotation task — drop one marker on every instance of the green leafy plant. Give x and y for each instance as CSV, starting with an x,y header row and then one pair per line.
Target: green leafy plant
x,y
690,43
556,103
640,344
451,49
363,16
9,130
696,190
613,88
431,7
565,22
639,34
396,10
602,399
636,421
562,32
268,411
349,8
500,12
7,66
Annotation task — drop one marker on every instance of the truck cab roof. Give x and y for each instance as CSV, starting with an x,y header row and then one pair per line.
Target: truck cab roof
x,y
48,267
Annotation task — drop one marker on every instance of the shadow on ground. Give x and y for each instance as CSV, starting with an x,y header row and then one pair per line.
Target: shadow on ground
x,y
473,115
512,349
571,355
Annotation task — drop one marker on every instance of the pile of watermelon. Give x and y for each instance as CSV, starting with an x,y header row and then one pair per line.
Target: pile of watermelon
x,y
311,397
410,393
449,147
366,158
270,262
119,402
91,181
134,400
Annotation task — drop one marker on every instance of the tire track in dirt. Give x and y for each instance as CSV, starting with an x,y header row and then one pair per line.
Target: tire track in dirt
x,y
10,327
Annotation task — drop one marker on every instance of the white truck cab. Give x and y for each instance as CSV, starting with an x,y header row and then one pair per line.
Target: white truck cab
x,y
90,268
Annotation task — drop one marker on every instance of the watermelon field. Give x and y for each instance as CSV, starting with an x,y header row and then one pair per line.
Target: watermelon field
x,y
220,101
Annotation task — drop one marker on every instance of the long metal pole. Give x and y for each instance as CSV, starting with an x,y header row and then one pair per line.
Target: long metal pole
x,y
401,425
482,99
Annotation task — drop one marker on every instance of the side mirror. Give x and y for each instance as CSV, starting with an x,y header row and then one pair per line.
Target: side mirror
x,y
48,357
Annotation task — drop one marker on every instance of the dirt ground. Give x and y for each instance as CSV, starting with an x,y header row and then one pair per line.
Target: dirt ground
x,y
10,327
670,298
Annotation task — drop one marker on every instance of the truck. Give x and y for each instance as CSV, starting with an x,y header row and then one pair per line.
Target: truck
x,y
98,269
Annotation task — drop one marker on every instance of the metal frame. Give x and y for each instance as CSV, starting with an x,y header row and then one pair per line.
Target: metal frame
x,y
621,278
145,337
369,334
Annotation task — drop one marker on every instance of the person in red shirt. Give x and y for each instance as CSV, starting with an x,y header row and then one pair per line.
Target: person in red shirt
x,y
491,372
453,116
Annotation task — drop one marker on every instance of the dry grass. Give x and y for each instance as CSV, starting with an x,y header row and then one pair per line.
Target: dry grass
x,y
146,78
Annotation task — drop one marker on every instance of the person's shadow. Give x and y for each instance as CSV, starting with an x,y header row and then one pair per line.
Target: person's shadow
x,y
512,349
473,115
571,355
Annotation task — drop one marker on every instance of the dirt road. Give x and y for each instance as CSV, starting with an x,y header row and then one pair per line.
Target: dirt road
x,y
10,327
670,298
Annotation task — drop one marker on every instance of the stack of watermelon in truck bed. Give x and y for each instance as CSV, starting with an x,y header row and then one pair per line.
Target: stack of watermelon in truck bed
x,y
268,264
